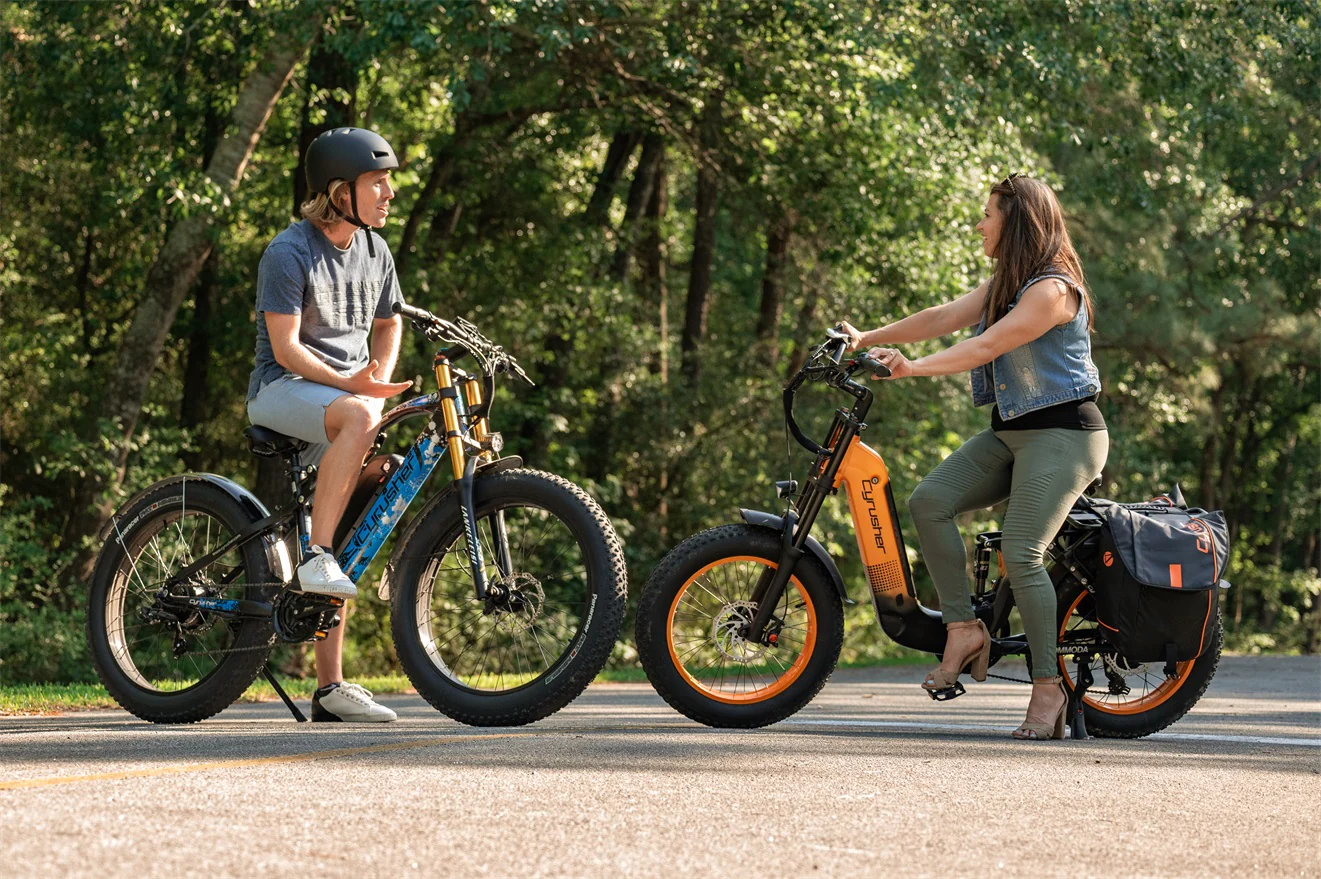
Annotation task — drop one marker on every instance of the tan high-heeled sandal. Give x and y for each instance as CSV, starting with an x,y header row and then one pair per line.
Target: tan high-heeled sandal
x,y
938,680
1033,732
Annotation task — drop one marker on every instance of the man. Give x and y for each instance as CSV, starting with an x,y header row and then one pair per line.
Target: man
x,y
323,286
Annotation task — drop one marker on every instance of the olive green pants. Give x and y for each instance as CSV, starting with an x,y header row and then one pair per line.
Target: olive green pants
x,y
1041,472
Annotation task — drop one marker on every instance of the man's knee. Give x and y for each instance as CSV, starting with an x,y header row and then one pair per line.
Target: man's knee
x,y
926,504
351,417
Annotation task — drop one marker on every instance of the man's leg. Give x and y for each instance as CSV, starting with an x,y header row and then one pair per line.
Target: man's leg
x,y
350,427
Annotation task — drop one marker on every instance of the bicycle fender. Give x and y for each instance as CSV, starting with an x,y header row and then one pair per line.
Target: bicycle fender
x,y
256,509
776,524
445,495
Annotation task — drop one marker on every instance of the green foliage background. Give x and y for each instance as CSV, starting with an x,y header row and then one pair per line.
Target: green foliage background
x,y
855,140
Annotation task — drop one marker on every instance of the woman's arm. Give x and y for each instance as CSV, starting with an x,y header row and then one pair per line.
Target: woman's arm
x,y
930,323
1042,306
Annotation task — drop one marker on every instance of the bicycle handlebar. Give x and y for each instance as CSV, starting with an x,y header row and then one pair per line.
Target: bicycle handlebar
x,y
836,375
464,338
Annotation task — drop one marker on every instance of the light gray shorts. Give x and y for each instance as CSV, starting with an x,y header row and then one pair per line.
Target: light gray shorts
x,y
296,407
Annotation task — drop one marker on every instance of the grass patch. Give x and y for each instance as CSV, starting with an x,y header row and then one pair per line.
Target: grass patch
x,y
27,699
48,699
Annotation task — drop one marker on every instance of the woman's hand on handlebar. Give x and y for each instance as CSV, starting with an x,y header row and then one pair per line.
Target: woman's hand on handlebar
x,y
855,337
365,383
899,365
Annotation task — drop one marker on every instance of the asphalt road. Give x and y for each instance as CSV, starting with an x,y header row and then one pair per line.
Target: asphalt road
x,y
871,779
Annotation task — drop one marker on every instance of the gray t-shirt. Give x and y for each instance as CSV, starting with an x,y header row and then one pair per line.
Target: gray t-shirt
x,y
338,293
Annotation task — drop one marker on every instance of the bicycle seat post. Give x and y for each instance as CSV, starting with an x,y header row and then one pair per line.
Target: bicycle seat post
x,y
299,478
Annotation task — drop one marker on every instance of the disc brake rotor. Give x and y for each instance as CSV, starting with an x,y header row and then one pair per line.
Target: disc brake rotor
x,y
727,632
516,613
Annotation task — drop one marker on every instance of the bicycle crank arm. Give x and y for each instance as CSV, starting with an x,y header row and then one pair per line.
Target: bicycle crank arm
x,y
470,536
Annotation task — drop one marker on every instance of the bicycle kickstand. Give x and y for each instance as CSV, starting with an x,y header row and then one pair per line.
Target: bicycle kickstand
x,y
279,691
1077,724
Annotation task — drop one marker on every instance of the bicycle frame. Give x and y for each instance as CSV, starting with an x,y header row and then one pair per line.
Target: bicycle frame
x,y
466,440
848,462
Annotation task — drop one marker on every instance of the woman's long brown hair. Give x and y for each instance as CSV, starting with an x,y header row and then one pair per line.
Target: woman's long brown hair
x,y
1033,241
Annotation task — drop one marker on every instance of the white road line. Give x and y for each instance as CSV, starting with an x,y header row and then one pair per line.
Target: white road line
x,y
967,727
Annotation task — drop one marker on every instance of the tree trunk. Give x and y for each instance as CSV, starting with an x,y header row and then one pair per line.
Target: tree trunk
x,y
639,199
1211,448
186,248
652,264
442,167
655,297
83,282
445,223
616,160
772,279
193,405
328,69
195,402
806,325
704,245
448,151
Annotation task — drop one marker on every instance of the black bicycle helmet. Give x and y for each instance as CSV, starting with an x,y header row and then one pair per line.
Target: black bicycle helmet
x,y
345,154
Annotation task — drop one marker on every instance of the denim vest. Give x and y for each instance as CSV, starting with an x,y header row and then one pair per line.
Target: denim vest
x,y
1051,369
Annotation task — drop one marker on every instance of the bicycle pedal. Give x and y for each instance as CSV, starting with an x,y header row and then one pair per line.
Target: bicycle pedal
x,y
948,693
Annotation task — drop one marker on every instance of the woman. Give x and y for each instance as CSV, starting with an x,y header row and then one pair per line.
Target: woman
x,y
1031,356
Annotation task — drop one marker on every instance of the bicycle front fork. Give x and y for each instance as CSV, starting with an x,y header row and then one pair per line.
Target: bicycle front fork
x,y
453,408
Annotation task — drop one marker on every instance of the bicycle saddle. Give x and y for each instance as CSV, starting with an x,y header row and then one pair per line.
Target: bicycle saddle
x,y
266,443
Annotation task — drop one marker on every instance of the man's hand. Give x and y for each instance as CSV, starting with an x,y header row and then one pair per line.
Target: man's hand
x,y
365,384
899,365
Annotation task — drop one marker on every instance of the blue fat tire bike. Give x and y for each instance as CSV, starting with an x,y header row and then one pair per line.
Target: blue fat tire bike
x,y
506,590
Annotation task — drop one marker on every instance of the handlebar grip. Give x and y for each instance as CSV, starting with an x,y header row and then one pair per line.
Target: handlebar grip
x,y
867,363
412,313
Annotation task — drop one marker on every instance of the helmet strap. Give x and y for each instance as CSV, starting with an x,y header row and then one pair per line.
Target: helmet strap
x,y
353,203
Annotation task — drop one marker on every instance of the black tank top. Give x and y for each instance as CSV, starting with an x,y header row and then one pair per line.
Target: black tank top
x,y
1075,415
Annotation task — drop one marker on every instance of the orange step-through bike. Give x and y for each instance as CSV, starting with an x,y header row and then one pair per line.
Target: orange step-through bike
x,y
741,625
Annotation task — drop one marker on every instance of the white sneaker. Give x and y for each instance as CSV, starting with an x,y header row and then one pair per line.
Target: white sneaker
x,y
320,574
349,703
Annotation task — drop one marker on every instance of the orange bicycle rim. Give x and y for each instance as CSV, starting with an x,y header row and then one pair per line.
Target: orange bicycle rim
x,y
1167,688
759,694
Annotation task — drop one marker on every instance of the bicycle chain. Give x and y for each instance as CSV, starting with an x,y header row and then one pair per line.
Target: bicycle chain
x,y
271,645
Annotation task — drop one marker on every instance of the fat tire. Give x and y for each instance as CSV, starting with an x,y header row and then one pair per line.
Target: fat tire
x,y
659,594
236,671
1134,726
607,578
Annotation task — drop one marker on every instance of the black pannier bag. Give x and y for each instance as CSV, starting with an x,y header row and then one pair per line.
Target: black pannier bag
x,y
1158,578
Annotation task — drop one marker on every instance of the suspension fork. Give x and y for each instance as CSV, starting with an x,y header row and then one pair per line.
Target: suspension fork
x,y
798,524
464,467
472,398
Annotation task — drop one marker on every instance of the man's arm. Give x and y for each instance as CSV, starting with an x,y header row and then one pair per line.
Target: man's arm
x,y
293,355
386,334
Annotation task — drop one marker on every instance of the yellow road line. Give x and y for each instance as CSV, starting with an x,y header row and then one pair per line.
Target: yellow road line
x,y
291,758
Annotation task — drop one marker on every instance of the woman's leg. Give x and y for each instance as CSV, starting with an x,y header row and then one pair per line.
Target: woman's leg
x,y
1051,469
976,476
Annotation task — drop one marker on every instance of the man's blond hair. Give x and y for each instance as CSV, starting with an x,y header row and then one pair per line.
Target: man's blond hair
x,y
319,208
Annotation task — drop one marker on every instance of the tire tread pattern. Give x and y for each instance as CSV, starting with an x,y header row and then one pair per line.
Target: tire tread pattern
x,y
673,572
